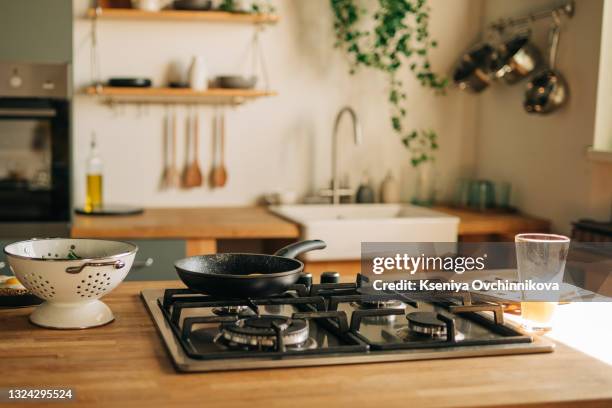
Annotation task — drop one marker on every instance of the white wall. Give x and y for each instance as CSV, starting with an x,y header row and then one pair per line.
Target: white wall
x,y
544,157
279,142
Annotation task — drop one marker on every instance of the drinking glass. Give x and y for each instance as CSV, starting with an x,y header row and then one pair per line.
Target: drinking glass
x,y
540,258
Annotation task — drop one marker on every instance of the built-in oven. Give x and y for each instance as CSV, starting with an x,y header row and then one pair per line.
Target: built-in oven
x,y
34,149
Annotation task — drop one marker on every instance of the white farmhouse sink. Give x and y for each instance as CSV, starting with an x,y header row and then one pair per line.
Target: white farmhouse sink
x,y
345,226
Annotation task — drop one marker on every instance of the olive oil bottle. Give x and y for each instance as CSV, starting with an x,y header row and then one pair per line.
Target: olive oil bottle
x,y
93,197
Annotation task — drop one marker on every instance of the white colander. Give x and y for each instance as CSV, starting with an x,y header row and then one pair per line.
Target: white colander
x,y
70,275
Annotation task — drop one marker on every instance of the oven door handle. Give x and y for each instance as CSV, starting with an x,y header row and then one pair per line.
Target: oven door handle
x,y
24,112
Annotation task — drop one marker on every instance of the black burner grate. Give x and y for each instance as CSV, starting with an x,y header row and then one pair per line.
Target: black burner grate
x,y
341,319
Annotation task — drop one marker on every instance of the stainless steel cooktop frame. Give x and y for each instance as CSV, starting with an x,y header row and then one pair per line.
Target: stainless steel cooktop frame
x,y
187,364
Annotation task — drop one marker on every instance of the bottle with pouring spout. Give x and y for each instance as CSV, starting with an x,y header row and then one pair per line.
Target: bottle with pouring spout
x,y
93,197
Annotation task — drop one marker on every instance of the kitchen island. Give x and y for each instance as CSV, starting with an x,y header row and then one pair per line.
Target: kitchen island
x,y
125,364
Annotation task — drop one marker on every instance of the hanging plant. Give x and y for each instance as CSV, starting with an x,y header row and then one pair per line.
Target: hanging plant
x,y
399,37
422,144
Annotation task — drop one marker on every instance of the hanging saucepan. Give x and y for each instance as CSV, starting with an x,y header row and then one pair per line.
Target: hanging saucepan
x,y
517,59
245,275
473,71
547,90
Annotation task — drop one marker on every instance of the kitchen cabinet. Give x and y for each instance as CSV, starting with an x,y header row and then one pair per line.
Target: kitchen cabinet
x,y
155,259
36,31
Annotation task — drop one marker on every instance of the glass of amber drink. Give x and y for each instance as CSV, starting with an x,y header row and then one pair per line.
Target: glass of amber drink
x,y
540,258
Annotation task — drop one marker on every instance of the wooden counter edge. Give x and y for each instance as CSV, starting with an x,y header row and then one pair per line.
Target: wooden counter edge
x,y
495,224
154,223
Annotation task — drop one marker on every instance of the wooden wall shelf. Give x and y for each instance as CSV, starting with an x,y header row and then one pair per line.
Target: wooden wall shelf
x,y
213,96
182,15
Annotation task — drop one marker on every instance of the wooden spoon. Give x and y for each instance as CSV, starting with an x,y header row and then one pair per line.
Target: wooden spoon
x,y
193,174
163,182
219,174
173,178
215,142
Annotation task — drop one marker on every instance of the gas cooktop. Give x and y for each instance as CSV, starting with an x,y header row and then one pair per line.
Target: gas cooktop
x,y
330,323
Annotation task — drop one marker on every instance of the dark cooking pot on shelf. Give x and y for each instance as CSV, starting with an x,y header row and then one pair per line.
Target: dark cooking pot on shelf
x,y
245,275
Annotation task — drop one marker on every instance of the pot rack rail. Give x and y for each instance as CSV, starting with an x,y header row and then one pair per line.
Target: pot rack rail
x,y
566,9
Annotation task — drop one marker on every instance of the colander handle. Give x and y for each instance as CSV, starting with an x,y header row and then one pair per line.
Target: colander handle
x,y
77,269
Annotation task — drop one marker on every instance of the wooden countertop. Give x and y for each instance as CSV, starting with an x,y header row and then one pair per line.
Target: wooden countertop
x,y
259,223
502,224
125,364
184,223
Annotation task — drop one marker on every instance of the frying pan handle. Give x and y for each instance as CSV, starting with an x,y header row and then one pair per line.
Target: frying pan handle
x,y
293,250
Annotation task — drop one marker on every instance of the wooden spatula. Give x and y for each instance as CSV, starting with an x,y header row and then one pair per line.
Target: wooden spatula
x,y
173,178
219,173
193,174
163,182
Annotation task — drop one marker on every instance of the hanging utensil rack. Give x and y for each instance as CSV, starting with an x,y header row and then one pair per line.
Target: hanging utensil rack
x,y
566,9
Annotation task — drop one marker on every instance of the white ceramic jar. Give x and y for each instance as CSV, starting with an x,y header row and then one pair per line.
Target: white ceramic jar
x,y
198,74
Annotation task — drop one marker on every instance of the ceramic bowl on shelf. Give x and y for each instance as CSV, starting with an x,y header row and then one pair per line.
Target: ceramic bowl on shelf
x,y
235,81
70,275
200,5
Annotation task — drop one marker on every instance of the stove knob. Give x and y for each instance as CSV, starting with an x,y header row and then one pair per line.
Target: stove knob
x,y
15,81
305,279
330,277
48,85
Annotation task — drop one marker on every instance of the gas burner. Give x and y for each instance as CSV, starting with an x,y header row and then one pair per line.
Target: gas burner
x,y
426,324
371,304
233,311
260,332
380,304
422,326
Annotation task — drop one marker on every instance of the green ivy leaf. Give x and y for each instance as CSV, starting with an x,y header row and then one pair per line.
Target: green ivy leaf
x,y
396,123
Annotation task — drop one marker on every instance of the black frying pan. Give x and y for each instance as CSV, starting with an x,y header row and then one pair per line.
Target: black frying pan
x,y
245,275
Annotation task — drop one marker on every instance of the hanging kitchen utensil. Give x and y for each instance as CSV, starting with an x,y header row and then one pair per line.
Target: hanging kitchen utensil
x,y
187,158
222,169
165,181
547,91
219,172
214,149
517,59
193,174
245,275
473,71
173,178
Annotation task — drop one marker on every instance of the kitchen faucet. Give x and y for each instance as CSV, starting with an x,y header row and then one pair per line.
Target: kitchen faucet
x,y
336,192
